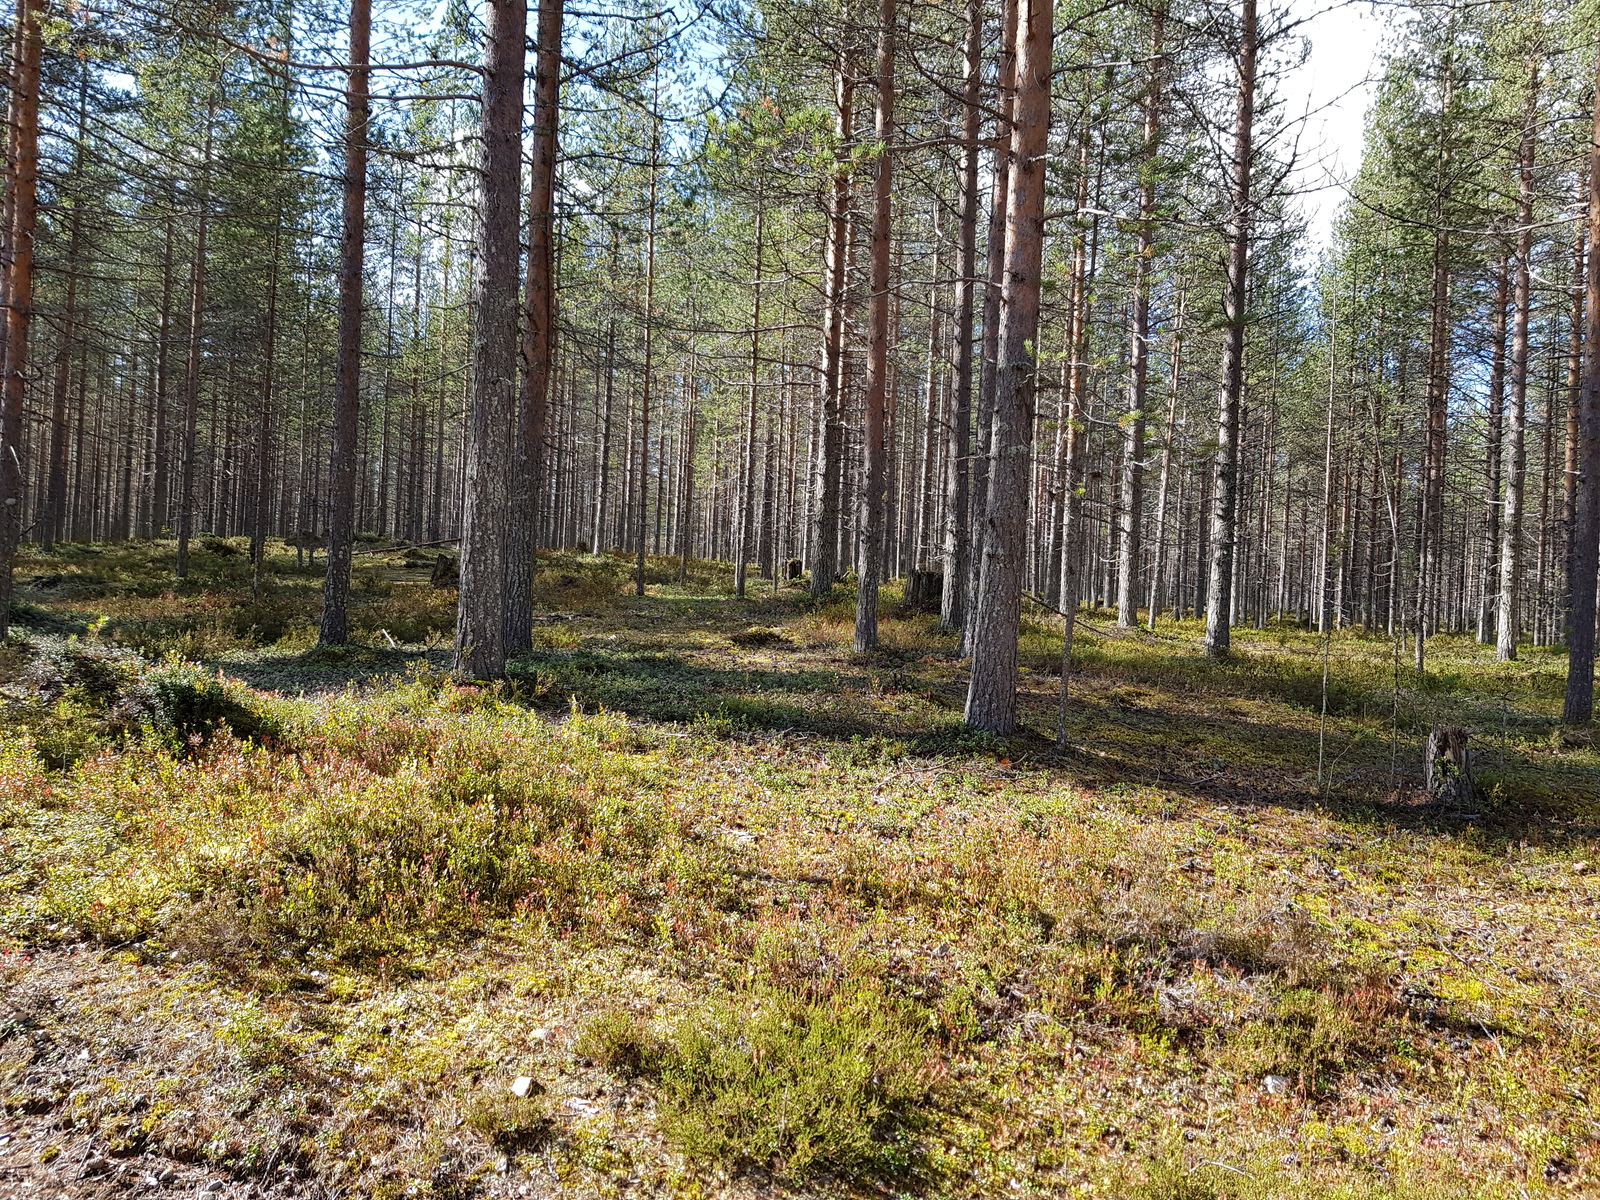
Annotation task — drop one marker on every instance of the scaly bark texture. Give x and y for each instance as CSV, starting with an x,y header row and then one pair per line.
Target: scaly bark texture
x,y
747,452
992,689
481,607
335,627
1133,465
994,289
191,378
1578,707
21,205
830,451
538,332
957,519
1488,610
1225,483
874,451
1509,618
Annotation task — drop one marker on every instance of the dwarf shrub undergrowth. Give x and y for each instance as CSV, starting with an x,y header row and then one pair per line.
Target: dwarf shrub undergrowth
x,y
420,813
769,1079
77,697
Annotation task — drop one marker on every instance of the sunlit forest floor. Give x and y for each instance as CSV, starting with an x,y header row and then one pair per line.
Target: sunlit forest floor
x,y
701,903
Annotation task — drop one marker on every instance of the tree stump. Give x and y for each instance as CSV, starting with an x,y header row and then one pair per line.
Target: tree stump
x,y
924,588
1447,769
794,569
446,572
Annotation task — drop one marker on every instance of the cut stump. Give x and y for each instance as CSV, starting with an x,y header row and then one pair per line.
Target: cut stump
x,y
1447,769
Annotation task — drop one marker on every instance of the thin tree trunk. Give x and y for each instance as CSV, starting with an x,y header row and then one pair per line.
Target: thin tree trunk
x,y
1005,86
642,489
691,418
538,335
269,341
1430,530
1509,618
1325,550
191,378
1139,343
747,464
1225,485
830,458
921,523
1168,436
1488,610
957,520
1055,564
875,451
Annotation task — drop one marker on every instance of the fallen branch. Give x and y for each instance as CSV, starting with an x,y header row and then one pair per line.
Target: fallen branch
x,y
403,549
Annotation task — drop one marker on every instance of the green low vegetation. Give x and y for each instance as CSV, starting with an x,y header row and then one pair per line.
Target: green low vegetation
x,y
748,913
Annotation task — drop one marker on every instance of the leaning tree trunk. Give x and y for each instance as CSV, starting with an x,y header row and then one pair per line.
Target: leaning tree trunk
x,y
538,334
1578,708
1225,486
481,603
874,451
18,267
991,691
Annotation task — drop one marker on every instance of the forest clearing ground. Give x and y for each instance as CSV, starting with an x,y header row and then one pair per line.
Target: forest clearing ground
x,y
755,915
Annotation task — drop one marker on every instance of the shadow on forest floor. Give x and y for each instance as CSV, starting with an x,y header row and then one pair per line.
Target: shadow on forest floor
x,y
1143,714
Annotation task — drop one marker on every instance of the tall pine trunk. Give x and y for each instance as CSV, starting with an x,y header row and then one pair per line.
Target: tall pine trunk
x,y
982,461
335,626
874,449
1578,708
538,333
1509,617
1133,466
747,455
1168,438
1225,482
642,488
957,521
262,507
481,602
191,372
830,445
21,198
1488,609
991,691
